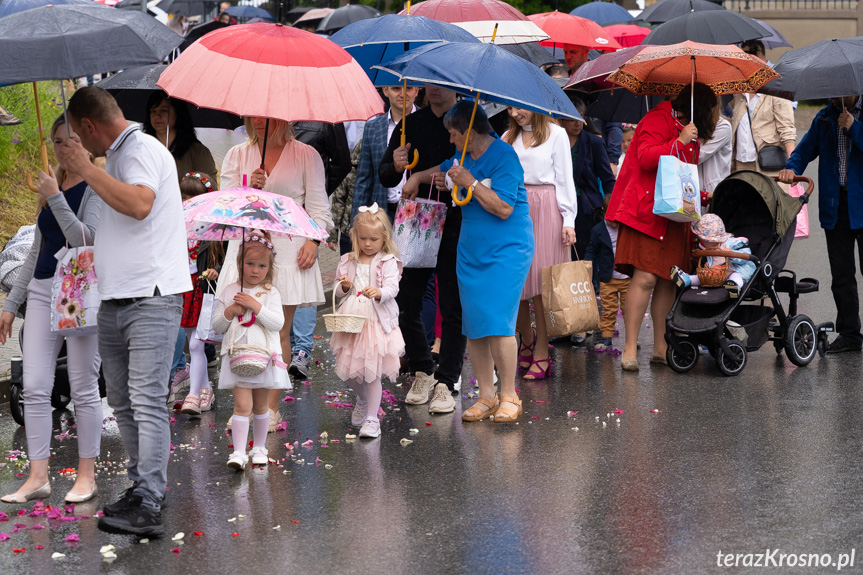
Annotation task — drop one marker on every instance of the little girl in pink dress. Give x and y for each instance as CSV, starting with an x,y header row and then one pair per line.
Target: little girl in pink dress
x,y
368,282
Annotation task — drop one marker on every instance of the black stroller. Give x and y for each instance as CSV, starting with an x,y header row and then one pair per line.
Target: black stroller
x,y
752,205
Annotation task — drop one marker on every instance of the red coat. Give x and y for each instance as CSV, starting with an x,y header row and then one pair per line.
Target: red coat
x,y
632,200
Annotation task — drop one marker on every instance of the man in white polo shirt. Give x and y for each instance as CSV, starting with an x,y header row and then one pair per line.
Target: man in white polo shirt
x,y
142,264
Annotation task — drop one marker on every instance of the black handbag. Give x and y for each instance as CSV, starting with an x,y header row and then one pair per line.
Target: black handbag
x,y
770,158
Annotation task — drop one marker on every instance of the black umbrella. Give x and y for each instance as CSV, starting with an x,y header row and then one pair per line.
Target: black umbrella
x,y
714,27
341,17
187,7
132,5
532,52
196,32
74,40
132,88
666,10
826,69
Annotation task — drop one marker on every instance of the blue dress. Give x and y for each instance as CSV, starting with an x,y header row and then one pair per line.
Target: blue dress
x,y
494,255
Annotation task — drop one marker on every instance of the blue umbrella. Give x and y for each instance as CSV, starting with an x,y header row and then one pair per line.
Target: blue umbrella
x,y
246,11
8,7
376,40
603,13
775,40
487,72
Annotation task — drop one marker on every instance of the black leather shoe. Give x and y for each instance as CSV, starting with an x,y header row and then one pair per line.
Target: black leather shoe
x,y
134,520
844,343
125,502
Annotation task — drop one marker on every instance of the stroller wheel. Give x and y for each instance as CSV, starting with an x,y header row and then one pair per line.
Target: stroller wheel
x,y
731,364
681,363
16,405
801,340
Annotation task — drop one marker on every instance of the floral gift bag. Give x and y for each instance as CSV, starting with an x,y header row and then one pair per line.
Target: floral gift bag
x,y
418,231
74,293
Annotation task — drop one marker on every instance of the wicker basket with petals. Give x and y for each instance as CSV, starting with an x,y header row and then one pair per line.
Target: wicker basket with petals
x,y
343,322
713,276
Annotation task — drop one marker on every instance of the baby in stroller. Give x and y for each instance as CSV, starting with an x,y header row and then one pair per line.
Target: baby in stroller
x,y
710,230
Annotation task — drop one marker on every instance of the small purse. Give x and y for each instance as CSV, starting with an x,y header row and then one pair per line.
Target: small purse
x,y
253,357
770,158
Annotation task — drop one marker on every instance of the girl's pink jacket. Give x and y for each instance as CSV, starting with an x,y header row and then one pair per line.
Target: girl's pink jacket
x,y
385,273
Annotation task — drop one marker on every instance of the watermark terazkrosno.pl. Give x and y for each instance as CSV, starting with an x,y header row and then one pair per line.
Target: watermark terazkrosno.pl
x,y
776,558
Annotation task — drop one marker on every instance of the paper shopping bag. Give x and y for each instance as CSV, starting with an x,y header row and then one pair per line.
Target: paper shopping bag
x,y
569,299
204,330
418,230
677,195
802,230
74,293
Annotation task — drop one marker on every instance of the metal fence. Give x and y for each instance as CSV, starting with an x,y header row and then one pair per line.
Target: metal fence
x,y
743,5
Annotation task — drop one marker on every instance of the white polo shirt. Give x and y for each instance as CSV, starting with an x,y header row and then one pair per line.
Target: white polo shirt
x,y
134,257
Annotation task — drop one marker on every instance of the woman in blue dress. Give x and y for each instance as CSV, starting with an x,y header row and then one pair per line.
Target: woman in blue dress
x,y
495,251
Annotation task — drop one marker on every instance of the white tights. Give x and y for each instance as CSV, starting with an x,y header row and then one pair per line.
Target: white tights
x,y
370,393
198,362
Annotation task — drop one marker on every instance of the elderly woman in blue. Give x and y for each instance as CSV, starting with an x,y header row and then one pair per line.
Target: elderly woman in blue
x,y
494,254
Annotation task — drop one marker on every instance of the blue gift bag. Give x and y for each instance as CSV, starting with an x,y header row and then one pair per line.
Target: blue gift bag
x,y
677,196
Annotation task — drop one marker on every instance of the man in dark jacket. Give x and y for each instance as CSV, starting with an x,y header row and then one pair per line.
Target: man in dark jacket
x,y
331,142
836,138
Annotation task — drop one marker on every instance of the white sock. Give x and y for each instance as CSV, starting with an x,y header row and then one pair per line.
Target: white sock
x,y
240,432
736,278
260,425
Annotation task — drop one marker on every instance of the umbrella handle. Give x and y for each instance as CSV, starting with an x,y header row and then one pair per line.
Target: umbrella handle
x,y
469,195
43,149
413,164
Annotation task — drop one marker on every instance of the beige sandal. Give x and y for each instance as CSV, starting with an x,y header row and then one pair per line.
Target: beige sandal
x,y
505,415
475,413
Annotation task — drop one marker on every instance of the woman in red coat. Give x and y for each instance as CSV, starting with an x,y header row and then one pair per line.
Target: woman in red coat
x,y
648,245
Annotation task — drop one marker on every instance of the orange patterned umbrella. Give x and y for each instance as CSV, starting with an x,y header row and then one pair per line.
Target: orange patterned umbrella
x,y
665,70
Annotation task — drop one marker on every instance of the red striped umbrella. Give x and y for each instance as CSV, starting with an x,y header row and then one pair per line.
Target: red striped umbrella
x,y
566,29
272,71
479,18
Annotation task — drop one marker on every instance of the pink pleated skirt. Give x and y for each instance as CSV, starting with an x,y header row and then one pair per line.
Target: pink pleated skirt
x,y
549,249
371,354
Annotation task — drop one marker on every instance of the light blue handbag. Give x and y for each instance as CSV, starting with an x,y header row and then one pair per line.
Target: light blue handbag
x,y
677,195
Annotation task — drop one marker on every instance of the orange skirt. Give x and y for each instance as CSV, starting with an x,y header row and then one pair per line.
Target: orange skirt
x,y
636,250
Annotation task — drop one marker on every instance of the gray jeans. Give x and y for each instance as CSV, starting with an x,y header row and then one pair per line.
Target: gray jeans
x,y
136,342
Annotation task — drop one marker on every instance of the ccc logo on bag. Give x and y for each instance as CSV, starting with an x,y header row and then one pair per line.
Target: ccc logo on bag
x,y
578,288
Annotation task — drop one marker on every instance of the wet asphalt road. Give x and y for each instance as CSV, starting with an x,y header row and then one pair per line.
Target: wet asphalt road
x,y
767,460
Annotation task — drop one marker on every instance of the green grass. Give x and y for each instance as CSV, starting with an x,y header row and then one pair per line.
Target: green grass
x,y
19,152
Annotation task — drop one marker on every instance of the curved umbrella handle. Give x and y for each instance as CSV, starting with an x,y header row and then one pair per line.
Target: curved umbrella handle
x,y
45,167
467,197
810,185
416,161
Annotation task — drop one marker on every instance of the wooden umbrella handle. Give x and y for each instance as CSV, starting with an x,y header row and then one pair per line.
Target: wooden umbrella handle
x,y
42,147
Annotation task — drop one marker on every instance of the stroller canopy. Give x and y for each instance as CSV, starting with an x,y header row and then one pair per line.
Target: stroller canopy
x,y
739,187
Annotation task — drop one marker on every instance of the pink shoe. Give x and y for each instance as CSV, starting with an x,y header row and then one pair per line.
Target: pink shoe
x,y
208,398
192,404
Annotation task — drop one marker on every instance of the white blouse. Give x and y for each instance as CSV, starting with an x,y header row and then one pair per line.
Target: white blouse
x,y
299,175
550,163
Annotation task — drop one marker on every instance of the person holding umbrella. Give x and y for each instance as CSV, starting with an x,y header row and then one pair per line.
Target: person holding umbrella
x,y
648,245
68,215
143,268
425,132
836,138
495,252
288,167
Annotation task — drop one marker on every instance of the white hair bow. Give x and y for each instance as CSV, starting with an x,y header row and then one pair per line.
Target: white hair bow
x,y
372,208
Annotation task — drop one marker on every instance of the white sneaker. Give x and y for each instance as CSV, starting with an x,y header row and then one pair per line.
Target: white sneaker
x,y
442,402
421,389
259,456
238,460
457,385
358,415
371,428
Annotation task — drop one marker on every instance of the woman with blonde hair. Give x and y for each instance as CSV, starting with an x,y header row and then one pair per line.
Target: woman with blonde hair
x,y
544,152
69,213
295,170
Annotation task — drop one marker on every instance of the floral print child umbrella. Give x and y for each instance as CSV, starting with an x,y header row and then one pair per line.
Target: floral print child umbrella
x,y
223,215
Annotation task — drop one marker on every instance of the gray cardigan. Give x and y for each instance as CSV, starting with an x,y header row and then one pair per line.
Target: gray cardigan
x,y
88,214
